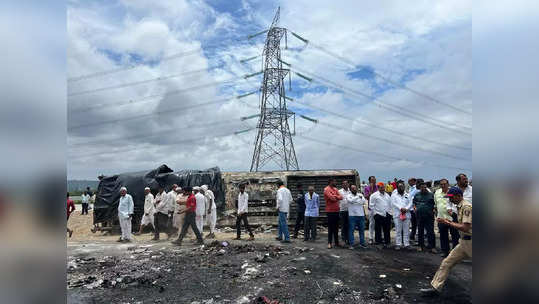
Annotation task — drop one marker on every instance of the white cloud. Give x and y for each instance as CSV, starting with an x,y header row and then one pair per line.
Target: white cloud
x,y
393,37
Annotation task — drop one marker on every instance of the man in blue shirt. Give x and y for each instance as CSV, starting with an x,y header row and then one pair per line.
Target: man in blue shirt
x,y
312,205
125,213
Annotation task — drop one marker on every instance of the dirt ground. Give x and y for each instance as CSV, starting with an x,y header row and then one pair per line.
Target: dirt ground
x,y
100,270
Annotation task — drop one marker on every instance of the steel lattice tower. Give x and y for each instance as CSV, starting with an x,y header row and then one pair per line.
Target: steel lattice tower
x,y
274,140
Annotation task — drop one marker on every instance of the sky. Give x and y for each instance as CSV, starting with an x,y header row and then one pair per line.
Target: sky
x,y
157,83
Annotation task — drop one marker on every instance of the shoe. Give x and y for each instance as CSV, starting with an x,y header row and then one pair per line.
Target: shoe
x,y
210,236
407,248
429,292
155,239
251,238
305,240
278,239
176,242
200,242
238,238
120,240
351,247
330,246
136,233
371,242
286,241
363,246
128,241
397,248
295,236
419,249
433,250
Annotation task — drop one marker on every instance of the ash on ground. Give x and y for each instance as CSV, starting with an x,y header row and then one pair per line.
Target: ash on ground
x,y
254,272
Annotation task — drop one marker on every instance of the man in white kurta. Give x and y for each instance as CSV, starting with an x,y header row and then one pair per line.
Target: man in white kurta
x,y
402,206
149,209
125,213
211,212
200,208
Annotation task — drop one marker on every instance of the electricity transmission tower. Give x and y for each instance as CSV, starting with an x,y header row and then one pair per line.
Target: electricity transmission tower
x,y
274,140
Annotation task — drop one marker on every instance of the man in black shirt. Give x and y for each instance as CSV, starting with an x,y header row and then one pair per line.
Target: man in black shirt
x,y
300,209
424,207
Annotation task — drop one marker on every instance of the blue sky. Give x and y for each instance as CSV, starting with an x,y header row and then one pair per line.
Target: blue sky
x,y
425,47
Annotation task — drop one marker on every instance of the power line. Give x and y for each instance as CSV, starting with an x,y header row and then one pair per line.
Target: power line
x,y
341,128
403,86
137,148
154,96
161,78
164,59
153,134
328,144
167,111
372,124
376,101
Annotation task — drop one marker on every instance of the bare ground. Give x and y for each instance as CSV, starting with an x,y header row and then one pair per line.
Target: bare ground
x,y
100,270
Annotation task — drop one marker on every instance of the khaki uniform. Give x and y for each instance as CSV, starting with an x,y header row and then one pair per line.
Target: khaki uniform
x,y
459,253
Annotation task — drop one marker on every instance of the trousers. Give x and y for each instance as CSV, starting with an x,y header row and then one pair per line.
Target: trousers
x,y
402,231
459,253
413,221
239,219
359,223
161,224
382,224
425,221
310,228
84,208
333,227
300,219
189,221
283,226
125,226
199,220
211,219
344,225
444,235
371,225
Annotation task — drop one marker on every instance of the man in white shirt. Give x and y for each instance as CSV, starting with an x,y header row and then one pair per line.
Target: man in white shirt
x,y
171,206
343,214
380,203
211,212
356,212
85,201
149,209
161,214
462,183
125,213
200,209
284,197
401,216
243,204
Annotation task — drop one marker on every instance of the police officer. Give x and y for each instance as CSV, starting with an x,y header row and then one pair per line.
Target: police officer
x,y
463,249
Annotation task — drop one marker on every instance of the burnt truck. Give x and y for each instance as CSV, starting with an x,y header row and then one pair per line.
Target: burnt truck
x,y
261,187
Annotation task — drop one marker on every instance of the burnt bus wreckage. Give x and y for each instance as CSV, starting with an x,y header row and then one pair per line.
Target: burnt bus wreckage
x,y
261,187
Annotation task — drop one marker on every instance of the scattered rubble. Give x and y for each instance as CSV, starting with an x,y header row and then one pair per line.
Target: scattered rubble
x,y
223,272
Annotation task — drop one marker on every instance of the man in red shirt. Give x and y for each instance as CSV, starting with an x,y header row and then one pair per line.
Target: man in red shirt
x,y
190,217
70,209
332,198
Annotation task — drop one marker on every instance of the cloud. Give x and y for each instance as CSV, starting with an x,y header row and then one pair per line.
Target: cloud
x,y
394,39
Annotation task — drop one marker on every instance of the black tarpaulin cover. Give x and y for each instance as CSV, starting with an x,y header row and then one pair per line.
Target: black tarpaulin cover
x,y
108,190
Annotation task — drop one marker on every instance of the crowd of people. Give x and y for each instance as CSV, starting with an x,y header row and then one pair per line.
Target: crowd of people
x,y
411,210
